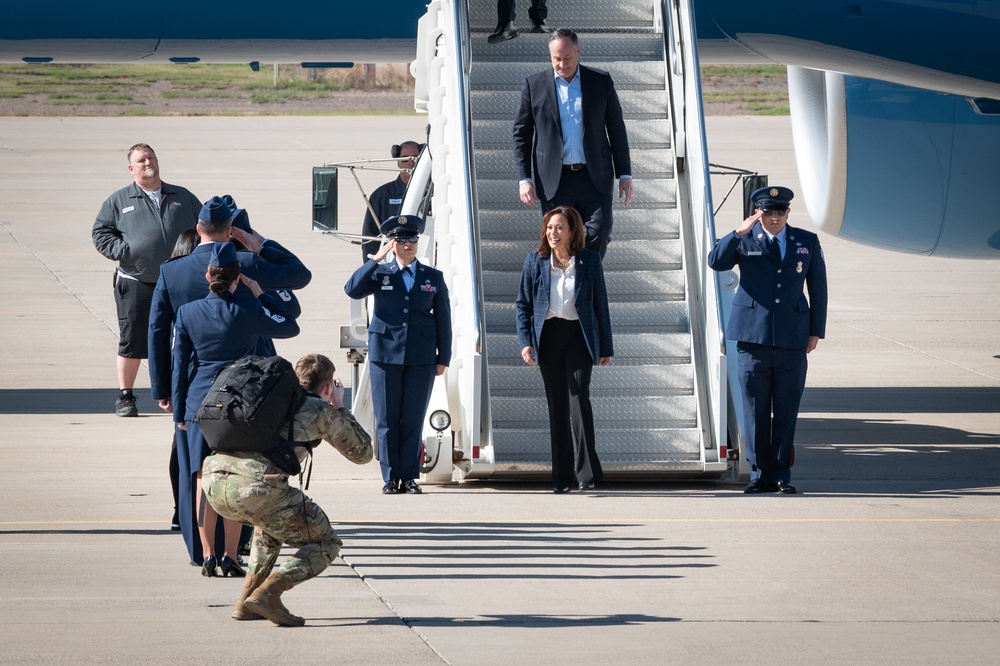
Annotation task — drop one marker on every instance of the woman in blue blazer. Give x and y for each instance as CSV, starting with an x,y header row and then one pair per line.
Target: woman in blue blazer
x,y
209,334
564,326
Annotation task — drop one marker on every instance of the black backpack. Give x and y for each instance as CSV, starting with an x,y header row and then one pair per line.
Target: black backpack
x,y
251,402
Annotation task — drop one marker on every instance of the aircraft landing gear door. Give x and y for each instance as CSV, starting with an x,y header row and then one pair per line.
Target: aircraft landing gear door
x,y
324,199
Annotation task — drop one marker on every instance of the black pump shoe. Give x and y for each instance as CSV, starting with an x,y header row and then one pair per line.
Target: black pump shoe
x,y
231,567
208,567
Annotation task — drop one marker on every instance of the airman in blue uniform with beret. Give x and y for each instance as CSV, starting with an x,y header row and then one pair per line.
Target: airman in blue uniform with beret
x,y
409,343
775,326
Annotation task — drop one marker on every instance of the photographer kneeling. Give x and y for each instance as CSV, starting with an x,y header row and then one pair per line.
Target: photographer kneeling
x,y
248,487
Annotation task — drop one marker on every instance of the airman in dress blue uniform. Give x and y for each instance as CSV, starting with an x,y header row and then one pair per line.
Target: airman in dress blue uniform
x,y
181,281
775,326
208,334
409,343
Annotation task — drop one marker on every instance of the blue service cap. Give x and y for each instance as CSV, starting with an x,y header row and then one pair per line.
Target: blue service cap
x,y
215,211
402,225
229,201
223,254
771,198
241,220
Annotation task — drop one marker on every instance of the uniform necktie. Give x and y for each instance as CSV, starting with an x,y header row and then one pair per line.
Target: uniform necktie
x,y
408,277
774,248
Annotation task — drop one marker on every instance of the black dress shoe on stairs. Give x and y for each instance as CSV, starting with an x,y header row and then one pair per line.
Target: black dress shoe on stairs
x,y
786,488
503,33
540,28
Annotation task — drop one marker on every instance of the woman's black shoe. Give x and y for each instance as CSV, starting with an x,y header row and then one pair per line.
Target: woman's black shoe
x,y
231,567
208,567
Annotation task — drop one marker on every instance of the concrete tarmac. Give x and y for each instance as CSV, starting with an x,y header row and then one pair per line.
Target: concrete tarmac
x,y
887,556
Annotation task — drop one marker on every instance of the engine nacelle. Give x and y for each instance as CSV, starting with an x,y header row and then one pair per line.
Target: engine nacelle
x,y
896,167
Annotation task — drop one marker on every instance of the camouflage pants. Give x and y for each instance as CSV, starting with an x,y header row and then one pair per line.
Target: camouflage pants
x,y
280,514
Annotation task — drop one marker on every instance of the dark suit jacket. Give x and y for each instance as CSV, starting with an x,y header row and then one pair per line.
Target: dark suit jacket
x,y
408,327
182,280
591,302
538,145
770,307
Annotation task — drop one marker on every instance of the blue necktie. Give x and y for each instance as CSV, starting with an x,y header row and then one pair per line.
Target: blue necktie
x,y
408,278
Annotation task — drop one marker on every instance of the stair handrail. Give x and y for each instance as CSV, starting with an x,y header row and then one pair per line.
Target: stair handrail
x,y
456,226
698,219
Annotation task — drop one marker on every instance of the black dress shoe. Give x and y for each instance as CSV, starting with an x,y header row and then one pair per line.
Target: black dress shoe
x,y
589,485
758,486
231,567
785,488
391,486
503,33
560,489
208,567
410,486
540,28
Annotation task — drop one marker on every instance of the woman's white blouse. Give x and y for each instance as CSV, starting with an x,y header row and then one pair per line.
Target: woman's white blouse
x,y
562,291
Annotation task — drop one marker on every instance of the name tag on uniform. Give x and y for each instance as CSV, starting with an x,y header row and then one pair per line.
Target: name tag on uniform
x,y
754,253
128,209
395,202
387,287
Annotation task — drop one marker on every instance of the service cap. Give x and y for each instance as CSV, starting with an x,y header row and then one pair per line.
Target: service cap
x,y
771,198
241,220
402,225
223,254
215,211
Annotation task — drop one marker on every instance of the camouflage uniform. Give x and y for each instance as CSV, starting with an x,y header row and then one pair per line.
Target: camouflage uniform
x,y
247,487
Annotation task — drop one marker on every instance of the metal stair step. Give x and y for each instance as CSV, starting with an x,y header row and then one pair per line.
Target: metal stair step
x,y
636,104
661,315
630,223
609,381
665,347
648,163
662,255
618,13
642,134
627,75
610,413
597,48
632,285
649,193
618,449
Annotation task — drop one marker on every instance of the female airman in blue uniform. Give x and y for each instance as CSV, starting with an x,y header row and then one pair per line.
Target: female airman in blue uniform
x,y
209,334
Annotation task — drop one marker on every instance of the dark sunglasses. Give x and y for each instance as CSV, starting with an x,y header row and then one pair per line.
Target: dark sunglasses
x,y
407,239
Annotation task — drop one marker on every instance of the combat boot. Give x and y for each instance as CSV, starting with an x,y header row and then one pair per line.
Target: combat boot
x,y
250,583
266,601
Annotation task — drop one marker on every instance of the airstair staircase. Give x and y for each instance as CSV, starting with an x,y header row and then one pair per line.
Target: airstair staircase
x,y
645,403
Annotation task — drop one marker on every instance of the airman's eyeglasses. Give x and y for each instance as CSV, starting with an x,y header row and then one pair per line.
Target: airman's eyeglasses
x,y
407,239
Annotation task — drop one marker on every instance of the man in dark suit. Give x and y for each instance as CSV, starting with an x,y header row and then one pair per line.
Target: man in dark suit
x,y
409,343
775,327
570,141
